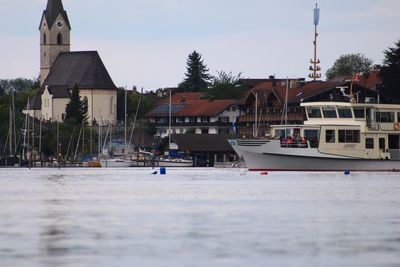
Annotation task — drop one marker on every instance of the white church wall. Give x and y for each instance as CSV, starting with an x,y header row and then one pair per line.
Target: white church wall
x,y
59,106
102,105
47,105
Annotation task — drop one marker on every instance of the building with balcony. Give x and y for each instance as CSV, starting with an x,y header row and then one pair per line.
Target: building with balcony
x,y
192,113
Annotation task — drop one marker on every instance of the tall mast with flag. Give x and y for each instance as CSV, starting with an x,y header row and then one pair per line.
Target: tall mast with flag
x,y
315,68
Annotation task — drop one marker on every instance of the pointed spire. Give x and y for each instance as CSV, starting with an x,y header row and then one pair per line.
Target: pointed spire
x,y
53,9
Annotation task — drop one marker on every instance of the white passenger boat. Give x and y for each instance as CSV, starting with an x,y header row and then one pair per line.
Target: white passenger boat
x,y
335,137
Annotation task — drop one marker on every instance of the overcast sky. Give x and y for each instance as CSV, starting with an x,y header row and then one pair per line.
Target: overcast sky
x,y
146,43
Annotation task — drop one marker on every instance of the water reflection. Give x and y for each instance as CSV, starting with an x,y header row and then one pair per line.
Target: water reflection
x,y
54,229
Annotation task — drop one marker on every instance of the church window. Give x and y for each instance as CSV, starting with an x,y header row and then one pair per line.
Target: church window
x,y
59,38
44,38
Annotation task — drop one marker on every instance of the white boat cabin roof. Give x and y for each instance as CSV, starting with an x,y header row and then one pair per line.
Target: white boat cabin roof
x,y
348,104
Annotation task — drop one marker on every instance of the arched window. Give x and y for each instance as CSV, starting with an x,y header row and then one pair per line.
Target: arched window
x,y
44,38
59,39
111,105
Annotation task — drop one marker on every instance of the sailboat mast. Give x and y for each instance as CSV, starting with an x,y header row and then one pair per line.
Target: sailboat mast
x,y
256,117
13,119
286,99
126,120
10,133
170,120
40,138
25,132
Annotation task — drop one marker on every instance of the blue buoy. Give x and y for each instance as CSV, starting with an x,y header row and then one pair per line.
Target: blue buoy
x,y
346,172
163,170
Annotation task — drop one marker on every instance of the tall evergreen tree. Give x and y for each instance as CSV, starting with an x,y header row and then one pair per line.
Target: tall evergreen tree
x,y
76,110
196,76
390,73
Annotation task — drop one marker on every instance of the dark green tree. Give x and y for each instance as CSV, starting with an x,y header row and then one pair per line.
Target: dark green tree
x,y
196,76
350,64
226,86
76,110
390,73
133,100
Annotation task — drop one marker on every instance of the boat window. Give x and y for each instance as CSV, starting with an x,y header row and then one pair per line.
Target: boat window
x,y
330,136
398,116
280,133
329,112
359,113
382,143
385,116
349,136
369,143
313,137
344,112
314,113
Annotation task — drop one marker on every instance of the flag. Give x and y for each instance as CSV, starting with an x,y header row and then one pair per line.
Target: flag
x,y
234,126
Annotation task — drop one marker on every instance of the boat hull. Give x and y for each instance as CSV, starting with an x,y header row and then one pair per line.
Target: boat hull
x,y
172,163
269,156
274,162
116,163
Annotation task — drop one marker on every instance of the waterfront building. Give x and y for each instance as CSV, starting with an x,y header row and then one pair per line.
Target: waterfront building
x,y
192,113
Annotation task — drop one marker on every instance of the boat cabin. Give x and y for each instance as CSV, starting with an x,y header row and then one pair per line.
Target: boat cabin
x,y
360,130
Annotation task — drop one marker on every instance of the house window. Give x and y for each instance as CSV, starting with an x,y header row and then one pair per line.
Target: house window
x,y
330,136
59,39
44,38
349,136
233,108
205,119
369,143
385,116
223,131
111,104
204,131
193,119
224,119
345,112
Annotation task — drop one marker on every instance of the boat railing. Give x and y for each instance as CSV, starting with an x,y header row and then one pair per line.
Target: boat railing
x,y
294,143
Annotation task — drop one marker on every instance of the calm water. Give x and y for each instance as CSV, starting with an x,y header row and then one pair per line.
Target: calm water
x,y
194,217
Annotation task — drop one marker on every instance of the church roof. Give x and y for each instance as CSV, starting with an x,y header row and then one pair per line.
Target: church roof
x,y
53,8
84,68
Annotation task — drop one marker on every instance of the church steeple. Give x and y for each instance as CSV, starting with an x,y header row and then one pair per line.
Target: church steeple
x,y
54,36
55,8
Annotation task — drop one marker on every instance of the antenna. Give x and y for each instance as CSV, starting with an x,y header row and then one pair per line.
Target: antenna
x,y
315,68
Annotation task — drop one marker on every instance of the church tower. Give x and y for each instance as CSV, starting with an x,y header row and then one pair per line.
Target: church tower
x,y
54,36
